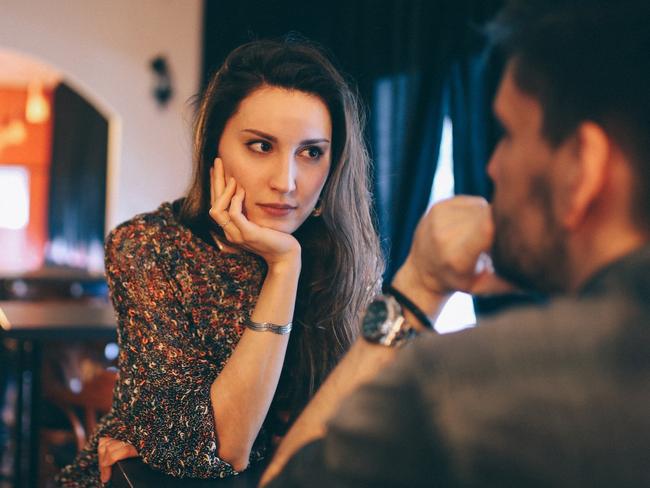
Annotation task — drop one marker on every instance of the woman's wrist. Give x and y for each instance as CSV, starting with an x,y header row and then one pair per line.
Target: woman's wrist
x,y
290,263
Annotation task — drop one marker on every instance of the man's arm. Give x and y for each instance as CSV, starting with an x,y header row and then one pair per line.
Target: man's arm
x,y
383,434
446,247
360,364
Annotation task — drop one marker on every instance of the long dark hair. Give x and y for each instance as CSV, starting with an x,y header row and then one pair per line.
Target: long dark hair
x,y
342,263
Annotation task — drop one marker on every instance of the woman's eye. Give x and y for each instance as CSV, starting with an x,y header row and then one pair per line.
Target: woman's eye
x,y
312,152
260,146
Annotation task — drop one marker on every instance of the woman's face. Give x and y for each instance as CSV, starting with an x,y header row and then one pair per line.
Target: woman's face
x,y
277,147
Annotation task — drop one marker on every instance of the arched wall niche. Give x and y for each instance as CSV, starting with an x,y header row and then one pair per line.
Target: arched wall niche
x,y
58,151
104,50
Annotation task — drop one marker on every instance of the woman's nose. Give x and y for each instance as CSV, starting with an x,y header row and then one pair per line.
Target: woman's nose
x,y
283,176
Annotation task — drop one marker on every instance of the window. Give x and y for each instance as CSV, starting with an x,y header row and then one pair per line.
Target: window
x,y
458,313
14,197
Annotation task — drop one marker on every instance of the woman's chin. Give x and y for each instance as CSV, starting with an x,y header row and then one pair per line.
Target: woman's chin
x,y
288,227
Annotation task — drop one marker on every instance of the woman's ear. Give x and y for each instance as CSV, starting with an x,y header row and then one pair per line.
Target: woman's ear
x,y
586,172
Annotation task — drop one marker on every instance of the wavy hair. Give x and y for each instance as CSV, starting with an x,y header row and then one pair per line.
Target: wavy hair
x,y
342,262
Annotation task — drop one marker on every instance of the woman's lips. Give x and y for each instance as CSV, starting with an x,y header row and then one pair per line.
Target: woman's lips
x,y
276,209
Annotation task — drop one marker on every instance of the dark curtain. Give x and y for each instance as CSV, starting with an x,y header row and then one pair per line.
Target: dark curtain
x,y
473,82
78,173
401,54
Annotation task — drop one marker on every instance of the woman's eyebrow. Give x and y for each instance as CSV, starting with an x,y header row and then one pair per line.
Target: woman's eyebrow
x,y
307,142
261,134
271,138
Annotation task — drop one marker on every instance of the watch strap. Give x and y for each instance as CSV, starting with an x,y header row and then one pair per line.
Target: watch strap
x,y
406,303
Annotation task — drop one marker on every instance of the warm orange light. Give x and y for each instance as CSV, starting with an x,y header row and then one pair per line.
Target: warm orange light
x,y
37,109
12,134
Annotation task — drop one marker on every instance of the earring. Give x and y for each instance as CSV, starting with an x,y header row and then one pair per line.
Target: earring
x,y
318,209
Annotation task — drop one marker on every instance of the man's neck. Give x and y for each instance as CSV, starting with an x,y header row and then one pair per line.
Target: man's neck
x,y
591,254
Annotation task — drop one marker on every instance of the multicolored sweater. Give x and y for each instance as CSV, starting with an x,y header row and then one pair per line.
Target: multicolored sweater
x,y
180,305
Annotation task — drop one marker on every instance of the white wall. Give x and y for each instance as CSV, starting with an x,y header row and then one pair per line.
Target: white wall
x,y
103,49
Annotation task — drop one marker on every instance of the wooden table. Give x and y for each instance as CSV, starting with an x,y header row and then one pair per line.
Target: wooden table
x,y
31,324
133,473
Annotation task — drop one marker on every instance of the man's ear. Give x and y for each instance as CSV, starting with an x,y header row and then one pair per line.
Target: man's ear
x,y
587,172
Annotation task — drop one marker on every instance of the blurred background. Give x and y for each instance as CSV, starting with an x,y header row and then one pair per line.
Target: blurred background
x,y
95,126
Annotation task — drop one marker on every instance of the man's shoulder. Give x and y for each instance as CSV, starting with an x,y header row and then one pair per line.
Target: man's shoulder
x,y
551,382
542,384
564,330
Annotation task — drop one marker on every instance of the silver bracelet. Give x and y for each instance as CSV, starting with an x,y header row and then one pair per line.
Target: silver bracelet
x,y
267,326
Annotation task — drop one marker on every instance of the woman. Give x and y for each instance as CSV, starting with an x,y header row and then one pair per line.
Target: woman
x,y
275,230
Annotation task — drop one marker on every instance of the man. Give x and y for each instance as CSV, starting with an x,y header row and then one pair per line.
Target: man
x,y
552,396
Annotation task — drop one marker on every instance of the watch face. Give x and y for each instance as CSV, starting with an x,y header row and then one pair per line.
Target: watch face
x,y
375,317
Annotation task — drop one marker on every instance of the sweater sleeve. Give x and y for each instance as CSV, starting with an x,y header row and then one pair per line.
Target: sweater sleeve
x,y
164,388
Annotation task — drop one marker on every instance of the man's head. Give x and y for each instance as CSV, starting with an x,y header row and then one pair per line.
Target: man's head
x,y
574,102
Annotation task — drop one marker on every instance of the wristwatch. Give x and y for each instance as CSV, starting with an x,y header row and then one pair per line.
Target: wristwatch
x,y
384,323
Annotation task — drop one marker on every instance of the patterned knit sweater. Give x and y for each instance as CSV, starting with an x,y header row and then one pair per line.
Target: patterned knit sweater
x,y
180,306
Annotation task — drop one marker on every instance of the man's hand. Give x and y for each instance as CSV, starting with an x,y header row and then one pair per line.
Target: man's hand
x,y
448,242
449,253
111,451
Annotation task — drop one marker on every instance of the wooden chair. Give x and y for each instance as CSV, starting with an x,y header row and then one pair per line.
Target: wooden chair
x,y
82,410
93,400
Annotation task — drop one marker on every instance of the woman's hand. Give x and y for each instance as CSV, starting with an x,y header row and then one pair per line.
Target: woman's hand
x,y
227,200
110,451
